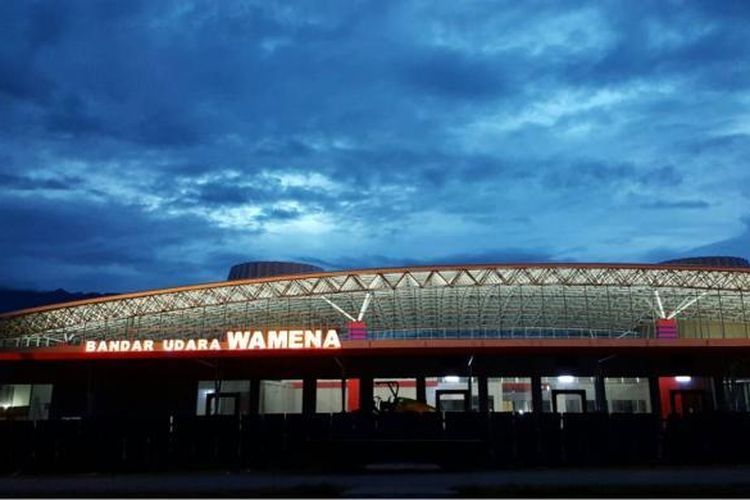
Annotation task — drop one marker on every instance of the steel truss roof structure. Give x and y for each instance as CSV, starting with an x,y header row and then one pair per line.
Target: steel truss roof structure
x,y
477,301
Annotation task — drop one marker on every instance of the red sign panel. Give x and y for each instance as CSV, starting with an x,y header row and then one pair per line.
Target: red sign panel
x,y
666,329
357,330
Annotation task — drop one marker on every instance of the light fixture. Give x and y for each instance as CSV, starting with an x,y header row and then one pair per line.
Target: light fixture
x,y
451,379
683,379
566,379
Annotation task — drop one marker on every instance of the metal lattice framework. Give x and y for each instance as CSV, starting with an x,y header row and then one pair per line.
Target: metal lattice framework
x,y
545,300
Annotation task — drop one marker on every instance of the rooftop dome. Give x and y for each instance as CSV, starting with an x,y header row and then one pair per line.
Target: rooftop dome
x,y
265,269
711,261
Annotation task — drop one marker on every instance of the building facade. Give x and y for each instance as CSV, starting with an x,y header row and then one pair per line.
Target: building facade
x,y
523,340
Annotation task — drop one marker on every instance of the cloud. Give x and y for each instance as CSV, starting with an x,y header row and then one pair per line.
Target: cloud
x,y
736,245
154,143
454,75
680,204
499,256
23,183
587,173
83,245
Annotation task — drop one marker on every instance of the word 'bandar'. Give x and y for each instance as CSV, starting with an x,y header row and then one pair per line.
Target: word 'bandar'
x,y
235,341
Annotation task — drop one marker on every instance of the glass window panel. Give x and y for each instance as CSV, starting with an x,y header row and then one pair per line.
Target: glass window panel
x,y
234,397
386,390
627,395
510,394
329,396
569,397
281,396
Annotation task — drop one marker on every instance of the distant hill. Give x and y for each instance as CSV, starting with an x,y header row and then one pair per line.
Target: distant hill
x,y
12,300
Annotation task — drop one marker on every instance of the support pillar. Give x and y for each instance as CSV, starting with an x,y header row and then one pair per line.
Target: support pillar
x,y
344,388
655,395
422,390
309,395
71,398
253,406
536,394
483,393
366,394
719,395
600,394
90,388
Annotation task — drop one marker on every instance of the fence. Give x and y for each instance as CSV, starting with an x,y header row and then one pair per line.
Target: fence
x,y
350,441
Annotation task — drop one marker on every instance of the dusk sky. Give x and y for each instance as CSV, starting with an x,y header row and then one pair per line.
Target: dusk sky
x,y
150,144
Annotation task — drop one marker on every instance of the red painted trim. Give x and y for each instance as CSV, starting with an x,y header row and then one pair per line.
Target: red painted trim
x,y
410,347
352,394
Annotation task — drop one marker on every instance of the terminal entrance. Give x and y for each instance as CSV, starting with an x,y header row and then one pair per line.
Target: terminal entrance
x,y
687,402
452,400
569,401
223,403
297,411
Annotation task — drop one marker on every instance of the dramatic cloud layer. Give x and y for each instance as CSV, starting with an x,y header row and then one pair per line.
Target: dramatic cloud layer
x,y
147,144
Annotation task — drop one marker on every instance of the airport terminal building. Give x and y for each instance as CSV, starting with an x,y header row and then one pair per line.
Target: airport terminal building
x,y
480,346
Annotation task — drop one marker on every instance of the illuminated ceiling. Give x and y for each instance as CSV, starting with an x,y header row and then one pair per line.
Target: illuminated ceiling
x,y
544,300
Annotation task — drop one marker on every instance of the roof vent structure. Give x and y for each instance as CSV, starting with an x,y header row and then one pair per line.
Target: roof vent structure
x,y
713,261
266,269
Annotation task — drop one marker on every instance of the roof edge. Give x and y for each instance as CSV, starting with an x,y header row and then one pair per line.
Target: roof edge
x,y
428,267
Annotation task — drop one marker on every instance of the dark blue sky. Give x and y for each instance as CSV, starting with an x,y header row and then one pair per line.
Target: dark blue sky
x,y
148,144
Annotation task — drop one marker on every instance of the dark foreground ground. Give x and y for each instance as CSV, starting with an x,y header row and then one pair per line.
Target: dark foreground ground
x,y
390,482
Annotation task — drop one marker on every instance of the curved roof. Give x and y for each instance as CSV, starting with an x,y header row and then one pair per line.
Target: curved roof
x,y
489,300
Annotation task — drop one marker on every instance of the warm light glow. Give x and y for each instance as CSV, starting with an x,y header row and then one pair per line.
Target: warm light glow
x,y
683,379
235,340
283,339
566,379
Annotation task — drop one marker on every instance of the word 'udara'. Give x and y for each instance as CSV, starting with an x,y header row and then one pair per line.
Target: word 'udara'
x,y
236,340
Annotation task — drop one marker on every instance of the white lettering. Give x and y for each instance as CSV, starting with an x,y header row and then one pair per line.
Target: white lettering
x,y
238,340
332,340
257,341
276,340
295,339
313,339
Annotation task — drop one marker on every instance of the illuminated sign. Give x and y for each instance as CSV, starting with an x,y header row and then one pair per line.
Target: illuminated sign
x,y
283,339
666,329
240,340
357,330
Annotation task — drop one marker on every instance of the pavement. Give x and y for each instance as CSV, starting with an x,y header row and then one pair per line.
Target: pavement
x,y
399,482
